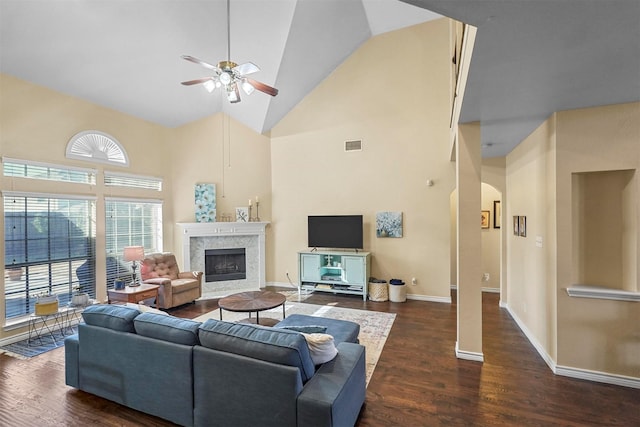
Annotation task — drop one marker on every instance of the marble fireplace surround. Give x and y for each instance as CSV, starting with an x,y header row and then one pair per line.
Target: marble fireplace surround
x,y
196,237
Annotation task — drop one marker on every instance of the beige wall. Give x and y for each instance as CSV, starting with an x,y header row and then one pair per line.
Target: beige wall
x,y
598,335
469,241
393,95
531,269
221,151
491,238
546,182
37,123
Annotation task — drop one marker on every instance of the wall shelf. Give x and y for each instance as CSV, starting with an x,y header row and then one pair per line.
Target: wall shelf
x,y
598,292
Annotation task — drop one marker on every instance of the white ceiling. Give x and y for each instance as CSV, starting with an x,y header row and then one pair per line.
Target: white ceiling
x,y
531,57
125,55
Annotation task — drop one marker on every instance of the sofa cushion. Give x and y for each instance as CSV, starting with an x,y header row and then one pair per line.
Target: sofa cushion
x,y
307,329
341,330
259,342
167,328
182,285
116,317
159,265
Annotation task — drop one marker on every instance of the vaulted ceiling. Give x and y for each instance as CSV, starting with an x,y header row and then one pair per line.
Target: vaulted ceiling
x,y
531,57
125,55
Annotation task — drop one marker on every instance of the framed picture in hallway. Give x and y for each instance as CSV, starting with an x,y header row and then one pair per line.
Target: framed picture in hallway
x,y
516,225
522,228
497,214
484,219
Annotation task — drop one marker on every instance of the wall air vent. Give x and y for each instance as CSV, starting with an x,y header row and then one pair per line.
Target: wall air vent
x,y
353,145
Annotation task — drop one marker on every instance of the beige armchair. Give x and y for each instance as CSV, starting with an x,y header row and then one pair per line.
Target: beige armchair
x,y
176,288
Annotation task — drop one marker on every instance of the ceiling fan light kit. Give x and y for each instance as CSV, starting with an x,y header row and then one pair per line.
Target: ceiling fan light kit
x,y
230,75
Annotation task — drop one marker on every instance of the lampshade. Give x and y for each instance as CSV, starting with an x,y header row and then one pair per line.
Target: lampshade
x,y
247,87
133,253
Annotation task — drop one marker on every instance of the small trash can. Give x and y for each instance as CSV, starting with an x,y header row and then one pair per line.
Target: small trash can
x,y
397,290
378,290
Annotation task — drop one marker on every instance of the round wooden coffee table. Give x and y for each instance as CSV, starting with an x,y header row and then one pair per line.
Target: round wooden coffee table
x,y
253,301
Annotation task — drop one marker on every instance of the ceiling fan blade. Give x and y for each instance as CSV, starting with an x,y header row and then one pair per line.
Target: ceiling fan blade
x,y
246,68
263,87
200,62
197,81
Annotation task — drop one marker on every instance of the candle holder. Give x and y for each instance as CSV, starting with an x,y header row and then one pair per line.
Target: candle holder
x,y
257,218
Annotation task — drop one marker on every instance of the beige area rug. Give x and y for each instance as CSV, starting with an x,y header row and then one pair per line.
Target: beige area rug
x,y
374,326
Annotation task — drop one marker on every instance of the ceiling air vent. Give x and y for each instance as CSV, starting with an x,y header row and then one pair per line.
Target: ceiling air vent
x,y
353,145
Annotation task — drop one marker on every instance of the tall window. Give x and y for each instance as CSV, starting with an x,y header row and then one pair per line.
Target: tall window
x,y
130,223
49,239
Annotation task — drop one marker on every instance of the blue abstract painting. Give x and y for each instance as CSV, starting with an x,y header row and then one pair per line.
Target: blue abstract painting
x,y
205,196
389,224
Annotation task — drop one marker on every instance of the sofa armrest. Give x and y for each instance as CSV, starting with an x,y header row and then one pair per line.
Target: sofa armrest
x,y
71,361
336,393
165,293
190,275
162,281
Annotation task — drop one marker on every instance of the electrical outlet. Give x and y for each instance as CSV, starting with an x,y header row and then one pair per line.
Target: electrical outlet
x,y
485,277
414,281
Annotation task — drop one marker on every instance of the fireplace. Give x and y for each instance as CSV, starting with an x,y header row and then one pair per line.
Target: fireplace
x,y
225,264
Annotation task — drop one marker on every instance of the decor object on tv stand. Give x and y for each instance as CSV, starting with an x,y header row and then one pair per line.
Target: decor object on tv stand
x,y
337,272
134,254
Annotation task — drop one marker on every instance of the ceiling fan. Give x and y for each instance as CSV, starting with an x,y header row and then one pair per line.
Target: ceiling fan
x,y
229,75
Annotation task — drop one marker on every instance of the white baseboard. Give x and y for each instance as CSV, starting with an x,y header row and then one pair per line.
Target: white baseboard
x,y
601,377
282,285
469,355
532,339
446,300
491,290
569,371
14,338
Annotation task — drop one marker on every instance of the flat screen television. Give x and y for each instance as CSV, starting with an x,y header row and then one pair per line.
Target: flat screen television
x,y
335,231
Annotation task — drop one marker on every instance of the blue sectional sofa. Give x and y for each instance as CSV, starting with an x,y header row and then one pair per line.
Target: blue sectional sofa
x,y
216,373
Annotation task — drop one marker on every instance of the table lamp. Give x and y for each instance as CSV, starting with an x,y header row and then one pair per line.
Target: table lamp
x,y
134,254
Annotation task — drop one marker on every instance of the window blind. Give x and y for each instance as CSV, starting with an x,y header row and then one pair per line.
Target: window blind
x,y
112,179
49,249
49,172
130,223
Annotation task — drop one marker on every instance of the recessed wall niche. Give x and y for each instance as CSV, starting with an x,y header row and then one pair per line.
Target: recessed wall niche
x,y
605,229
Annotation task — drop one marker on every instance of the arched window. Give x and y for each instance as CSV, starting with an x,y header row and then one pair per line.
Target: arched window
x,y
97,147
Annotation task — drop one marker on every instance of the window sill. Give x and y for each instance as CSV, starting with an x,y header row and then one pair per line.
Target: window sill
x,y
597,292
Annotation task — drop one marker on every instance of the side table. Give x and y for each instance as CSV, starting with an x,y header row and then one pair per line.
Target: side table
x,y
133,294
59,323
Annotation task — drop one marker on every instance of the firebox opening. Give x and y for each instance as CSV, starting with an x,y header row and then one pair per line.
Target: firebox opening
x,y
224,264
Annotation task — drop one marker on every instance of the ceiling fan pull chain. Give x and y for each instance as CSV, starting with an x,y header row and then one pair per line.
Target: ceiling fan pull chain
x,y
229,30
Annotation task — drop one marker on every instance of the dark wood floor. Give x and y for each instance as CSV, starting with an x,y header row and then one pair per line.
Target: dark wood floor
x,y
418,380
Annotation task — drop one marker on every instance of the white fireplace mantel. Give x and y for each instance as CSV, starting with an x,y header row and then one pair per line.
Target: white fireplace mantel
x,y
189,231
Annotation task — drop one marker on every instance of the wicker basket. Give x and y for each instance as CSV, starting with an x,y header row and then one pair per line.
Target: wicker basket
x,y
378,291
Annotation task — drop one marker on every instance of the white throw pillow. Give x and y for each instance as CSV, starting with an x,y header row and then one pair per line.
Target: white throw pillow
x,y
321,347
